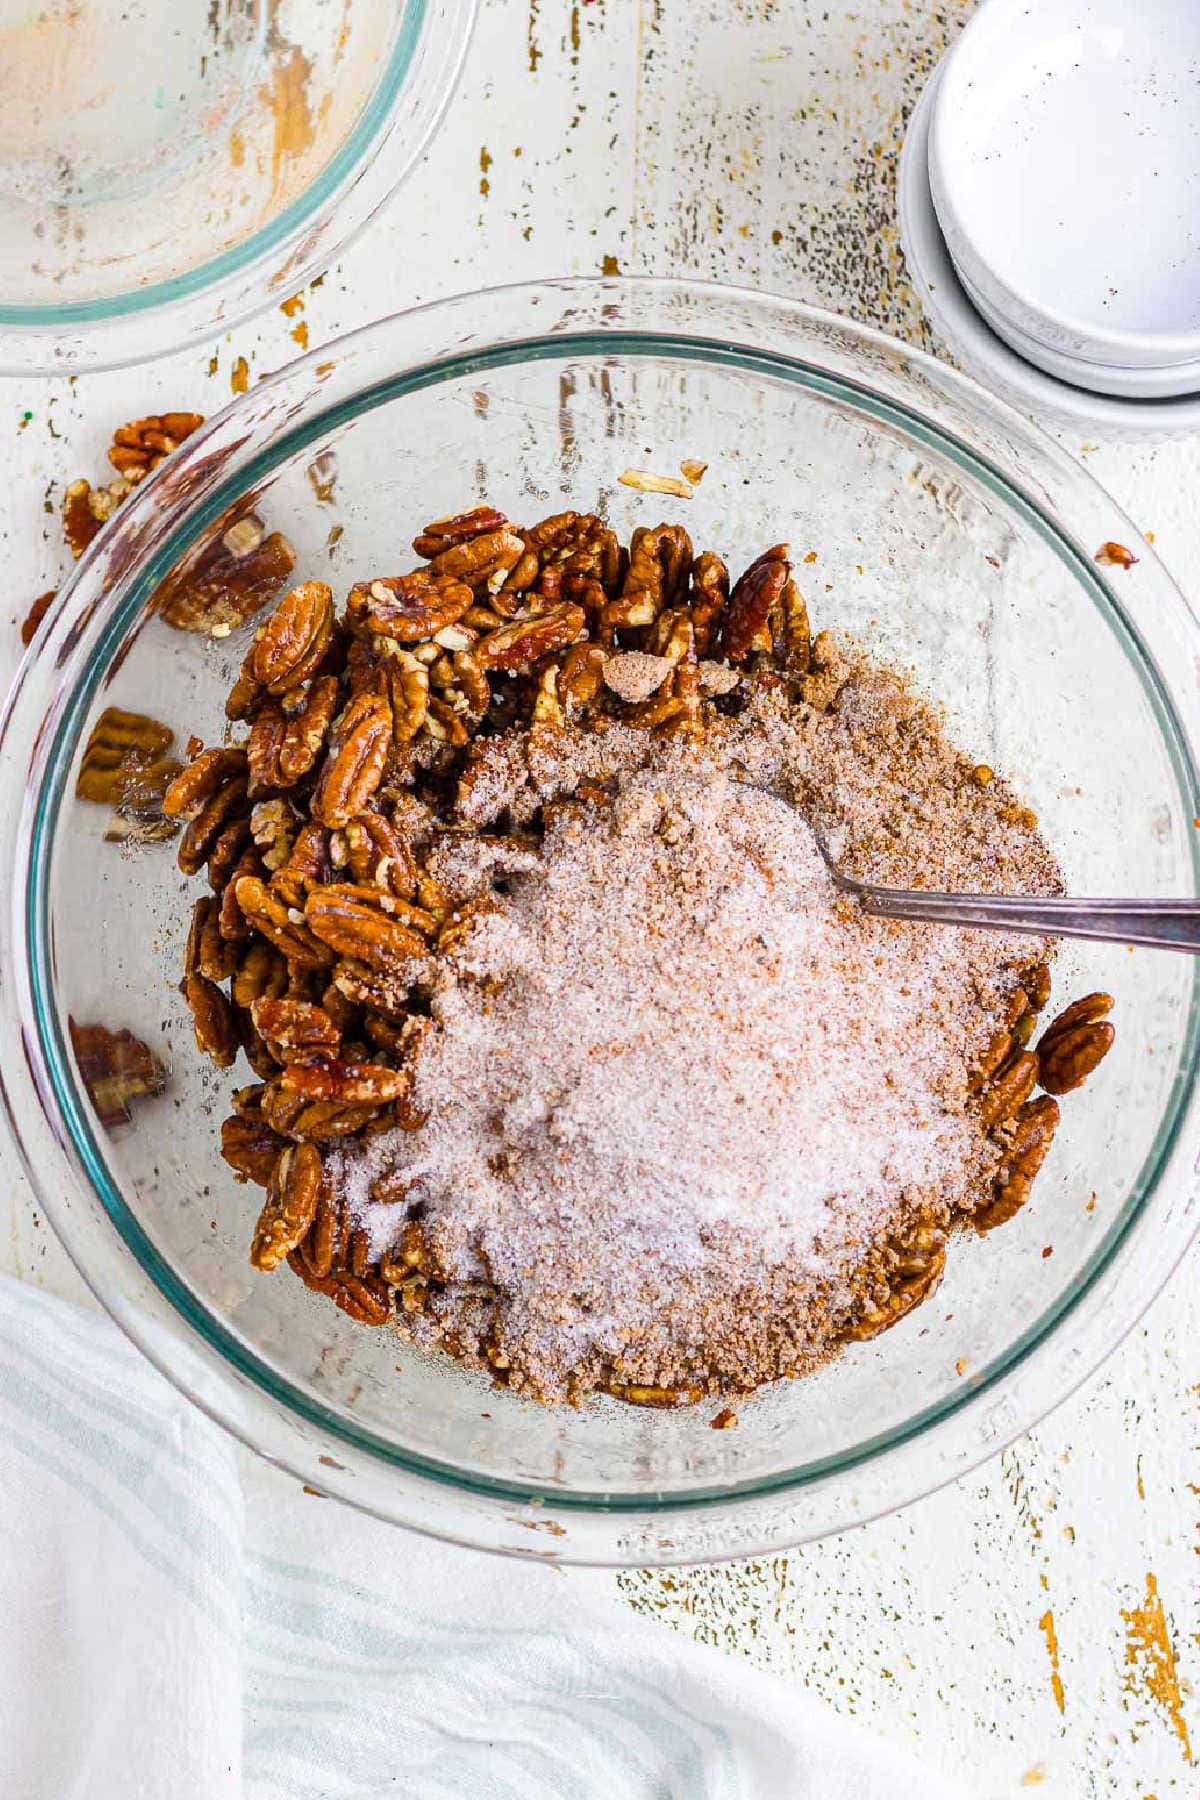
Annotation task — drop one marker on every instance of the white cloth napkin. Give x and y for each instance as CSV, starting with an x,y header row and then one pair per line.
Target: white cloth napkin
x,y
181,1622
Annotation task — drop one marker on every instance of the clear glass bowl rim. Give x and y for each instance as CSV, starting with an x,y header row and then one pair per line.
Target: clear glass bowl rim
x,y
78,674
369,152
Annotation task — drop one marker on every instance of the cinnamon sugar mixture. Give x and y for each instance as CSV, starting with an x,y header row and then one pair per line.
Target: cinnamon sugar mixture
x,y
685,1105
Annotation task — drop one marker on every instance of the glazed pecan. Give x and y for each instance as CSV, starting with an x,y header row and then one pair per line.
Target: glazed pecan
x,y
1075,1043
120,743
581,675
203,778
289,648
292,1029
251,1148
1037,986
233,922
85,511
205,828
272,919
305,730
409,608
405,681
213,1020
457,529
291,1205
310,864
316,1121
1032,1134
116,1068
524,641
482,561
353,922
363,984
354,763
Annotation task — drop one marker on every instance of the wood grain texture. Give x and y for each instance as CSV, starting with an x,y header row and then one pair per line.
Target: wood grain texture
x,y
1036,1628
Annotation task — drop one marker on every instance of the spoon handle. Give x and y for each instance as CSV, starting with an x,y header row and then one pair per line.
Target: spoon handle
x,y
1161,924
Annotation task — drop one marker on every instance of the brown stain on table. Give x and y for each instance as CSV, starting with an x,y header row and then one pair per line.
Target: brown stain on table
x,y
1150,1661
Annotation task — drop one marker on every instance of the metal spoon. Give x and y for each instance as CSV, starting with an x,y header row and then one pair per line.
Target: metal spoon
x,y
1162,924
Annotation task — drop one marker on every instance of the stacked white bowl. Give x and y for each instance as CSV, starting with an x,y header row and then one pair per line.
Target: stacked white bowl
x,y
1050,208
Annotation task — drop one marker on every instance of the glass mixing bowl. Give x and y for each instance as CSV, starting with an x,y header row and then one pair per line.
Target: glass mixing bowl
x,y
952,537
167,169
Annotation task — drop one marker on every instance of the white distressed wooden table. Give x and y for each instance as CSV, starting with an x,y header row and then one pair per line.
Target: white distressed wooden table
x,y
1036,1627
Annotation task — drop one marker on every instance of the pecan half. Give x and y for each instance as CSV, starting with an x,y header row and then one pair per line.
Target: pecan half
x,y
352,921
709,598
920,1265
1033,1133
218,587
291,1205
354,763
352,1084
1075,1043
380,855
524,641
316,1121
139,447
207,952
660,560
1010,1090
272,919
203,777
213,1020
364,1299
205,828
756,595
296,1028
482,561
261,971
288,649
409,608
457,529
250,1148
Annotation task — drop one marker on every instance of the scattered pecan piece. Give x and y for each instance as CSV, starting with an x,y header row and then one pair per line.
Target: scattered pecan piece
x,y
1075,1043
291,1205
119,742
352,1084
116,1068
36,614
1115,556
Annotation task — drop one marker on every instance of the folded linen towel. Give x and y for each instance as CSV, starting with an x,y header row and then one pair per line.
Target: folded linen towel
x,y
179,1621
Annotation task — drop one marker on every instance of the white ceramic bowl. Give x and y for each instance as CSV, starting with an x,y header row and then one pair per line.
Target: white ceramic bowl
x,y
975,345
1065,174
1096,378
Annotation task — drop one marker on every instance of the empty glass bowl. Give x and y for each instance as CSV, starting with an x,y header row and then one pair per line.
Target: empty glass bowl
x,y
167,169
948,534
